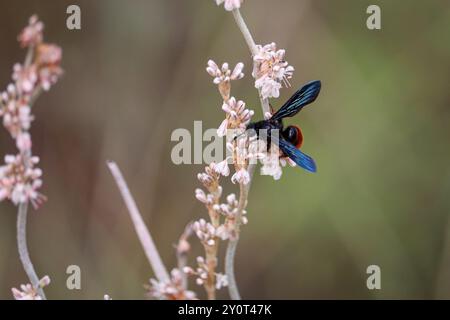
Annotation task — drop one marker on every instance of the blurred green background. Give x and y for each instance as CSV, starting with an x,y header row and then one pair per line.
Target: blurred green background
x,y
136,71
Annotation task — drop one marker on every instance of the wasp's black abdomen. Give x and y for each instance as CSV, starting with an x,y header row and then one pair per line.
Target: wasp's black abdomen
x,y
264,129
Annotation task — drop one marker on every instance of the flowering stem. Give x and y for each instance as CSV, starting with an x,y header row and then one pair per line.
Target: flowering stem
x,y
232,244
211,264
244,189
182,250
23,249
139,225
254,51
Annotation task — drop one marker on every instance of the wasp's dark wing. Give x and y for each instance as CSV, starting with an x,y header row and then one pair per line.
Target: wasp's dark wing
x,y
307,94
301,159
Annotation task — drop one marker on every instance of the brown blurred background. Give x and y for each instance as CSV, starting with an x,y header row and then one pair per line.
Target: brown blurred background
x,y
136,71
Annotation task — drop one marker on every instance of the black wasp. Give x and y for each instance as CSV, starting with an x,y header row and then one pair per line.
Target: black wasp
x,y
290,138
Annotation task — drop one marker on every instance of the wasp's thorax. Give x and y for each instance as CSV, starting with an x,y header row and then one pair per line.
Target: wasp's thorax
x,y
264,128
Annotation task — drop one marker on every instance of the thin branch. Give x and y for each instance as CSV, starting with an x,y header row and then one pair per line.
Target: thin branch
x,y
182,249
23,249
144,235
232,244
29,56
245,31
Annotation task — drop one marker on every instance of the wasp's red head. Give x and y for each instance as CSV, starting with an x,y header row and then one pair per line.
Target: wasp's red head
x,y
294,135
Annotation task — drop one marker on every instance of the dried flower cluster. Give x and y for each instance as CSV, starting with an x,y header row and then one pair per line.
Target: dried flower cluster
x,y
175,288
19,179
170,290
27,292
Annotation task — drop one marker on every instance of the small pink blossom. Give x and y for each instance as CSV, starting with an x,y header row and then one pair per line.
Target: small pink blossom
x,y
267,115
48,54
200,195
224,74
221,281
222,168
287,161
230,5
205,231
238,117
230,211
20,180
210,178
32,35
269,87
172,289
222,130
48,59
16,112
241,176
202,272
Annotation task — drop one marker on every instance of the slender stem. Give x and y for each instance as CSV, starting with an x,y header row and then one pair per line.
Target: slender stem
x,y
211,264
144,235
23,249
182,251
229,270
29,56
232,244
231,248
245,31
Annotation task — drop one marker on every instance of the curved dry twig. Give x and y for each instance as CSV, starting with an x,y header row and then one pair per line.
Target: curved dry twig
x,y
23,249
143,233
